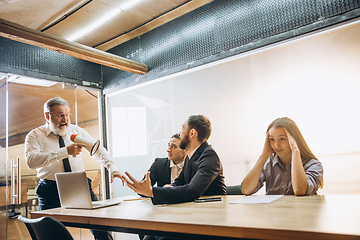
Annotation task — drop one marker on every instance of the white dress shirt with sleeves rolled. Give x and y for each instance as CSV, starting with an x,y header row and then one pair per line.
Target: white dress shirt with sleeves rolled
x,y
43,153
278,178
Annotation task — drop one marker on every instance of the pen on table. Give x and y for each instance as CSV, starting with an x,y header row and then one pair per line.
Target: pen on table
x,y
135,199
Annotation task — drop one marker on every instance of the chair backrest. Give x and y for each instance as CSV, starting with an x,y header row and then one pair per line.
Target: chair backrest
x,y
234,190
46,228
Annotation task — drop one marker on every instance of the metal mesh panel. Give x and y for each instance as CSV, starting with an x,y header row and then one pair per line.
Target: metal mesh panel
x,y
330,8
130,50
215,30
250,21
17,55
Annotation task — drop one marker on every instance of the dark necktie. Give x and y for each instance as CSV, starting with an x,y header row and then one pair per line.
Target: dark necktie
x,y
66,162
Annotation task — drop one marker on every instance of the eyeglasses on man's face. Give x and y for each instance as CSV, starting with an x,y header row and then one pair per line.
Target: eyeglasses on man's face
x,y
62,115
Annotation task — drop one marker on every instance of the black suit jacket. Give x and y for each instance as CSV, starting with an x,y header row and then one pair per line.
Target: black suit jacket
x,y
160,172
201,175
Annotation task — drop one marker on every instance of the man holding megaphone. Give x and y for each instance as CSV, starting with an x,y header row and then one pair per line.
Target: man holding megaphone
x,y
56,147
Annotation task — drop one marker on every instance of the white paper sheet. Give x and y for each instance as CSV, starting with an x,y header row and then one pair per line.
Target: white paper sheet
x,y
258,199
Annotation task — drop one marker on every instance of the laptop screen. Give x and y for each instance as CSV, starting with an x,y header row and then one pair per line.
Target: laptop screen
x,y
73,190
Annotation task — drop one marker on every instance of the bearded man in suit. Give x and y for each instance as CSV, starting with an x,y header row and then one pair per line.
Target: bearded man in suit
x,y
202,174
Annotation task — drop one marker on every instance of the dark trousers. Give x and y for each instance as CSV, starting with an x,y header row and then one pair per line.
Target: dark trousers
x,y
49,198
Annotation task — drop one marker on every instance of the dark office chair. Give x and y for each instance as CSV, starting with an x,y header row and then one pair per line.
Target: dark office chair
x,y
46,228
234,190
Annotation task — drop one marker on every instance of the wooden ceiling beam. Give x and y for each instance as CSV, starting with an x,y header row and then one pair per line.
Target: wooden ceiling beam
x,y
30,36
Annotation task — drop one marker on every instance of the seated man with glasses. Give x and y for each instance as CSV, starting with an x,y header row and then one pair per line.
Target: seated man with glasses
x,y
164,171
49,150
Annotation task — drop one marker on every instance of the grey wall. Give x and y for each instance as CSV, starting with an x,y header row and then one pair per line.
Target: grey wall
x,y
221,29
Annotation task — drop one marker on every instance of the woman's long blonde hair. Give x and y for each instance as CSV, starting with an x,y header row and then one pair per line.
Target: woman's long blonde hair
x,y
293,129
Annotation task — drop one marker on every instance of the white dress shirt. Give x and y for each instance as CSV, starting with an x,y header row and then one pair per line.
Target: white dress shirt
x,y
175,169
192,153
43,153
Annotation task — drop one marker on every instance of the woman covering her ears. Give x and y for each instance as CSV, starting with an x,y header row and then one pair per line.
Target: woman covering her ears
x,y
286,164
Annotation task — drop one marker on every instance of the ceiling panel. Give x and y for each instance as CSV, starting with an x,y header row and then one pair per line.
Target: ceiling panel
x,y
34,13
122,22
66,17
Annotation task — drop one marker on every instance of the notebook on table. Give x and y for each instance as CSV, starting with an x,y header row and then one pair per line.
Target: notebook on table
x,y
74,192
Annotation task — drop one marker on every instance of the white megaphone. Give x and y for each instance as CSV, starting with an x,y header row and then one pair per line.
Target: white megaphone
x,y
91,146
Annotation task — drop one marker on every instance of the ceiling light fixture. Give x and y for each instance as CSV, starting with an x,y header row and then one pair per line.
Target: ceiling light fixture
x,y
95,24
104,19
129,4
30,81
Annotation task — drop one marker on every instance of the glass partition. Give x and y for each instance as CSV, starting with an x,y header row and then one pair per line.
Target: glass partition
x,y
26,97
4,166
314,80
140,125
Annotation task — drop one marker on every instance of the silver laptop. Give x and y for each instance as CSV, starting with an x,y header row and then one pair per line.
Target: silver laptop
x,y
74,192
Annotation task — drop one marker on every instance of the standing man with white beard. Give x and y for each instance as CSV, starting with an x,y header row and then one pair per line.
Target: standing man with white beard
x,y
49,150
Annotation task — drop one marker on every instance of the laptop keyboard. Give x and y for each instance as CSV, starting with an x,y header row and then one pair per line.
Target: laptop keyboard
x,y
97,204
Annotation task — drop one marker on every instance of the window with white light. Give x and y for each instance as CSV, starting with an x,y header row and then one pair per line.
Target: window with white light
x,y
128,131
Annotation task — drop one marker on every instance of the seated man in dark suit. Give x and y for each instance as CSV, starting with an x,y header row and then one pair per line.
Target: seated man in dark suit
x,y
164,171
202,174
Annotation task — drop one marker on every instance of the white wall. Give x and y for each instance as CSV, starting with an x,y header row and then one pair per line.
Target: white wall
x,y
313,80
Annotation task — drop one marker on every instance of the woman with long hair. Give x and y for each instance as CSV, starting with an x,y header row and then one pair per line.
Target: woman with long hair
x,y
286,164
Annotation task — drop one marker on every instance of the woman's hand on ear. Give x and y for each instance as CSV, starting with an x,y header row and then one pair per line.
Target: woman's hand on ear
x,y
292,143
267,151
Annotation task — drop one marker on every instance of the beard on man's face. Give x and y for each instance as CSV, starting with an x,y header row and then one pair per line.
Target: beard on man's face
x,y
56,128
184,142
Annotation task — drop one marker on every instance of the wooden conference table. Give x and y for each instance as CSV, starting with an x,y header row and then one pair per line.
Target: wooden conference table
x,y
290,217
